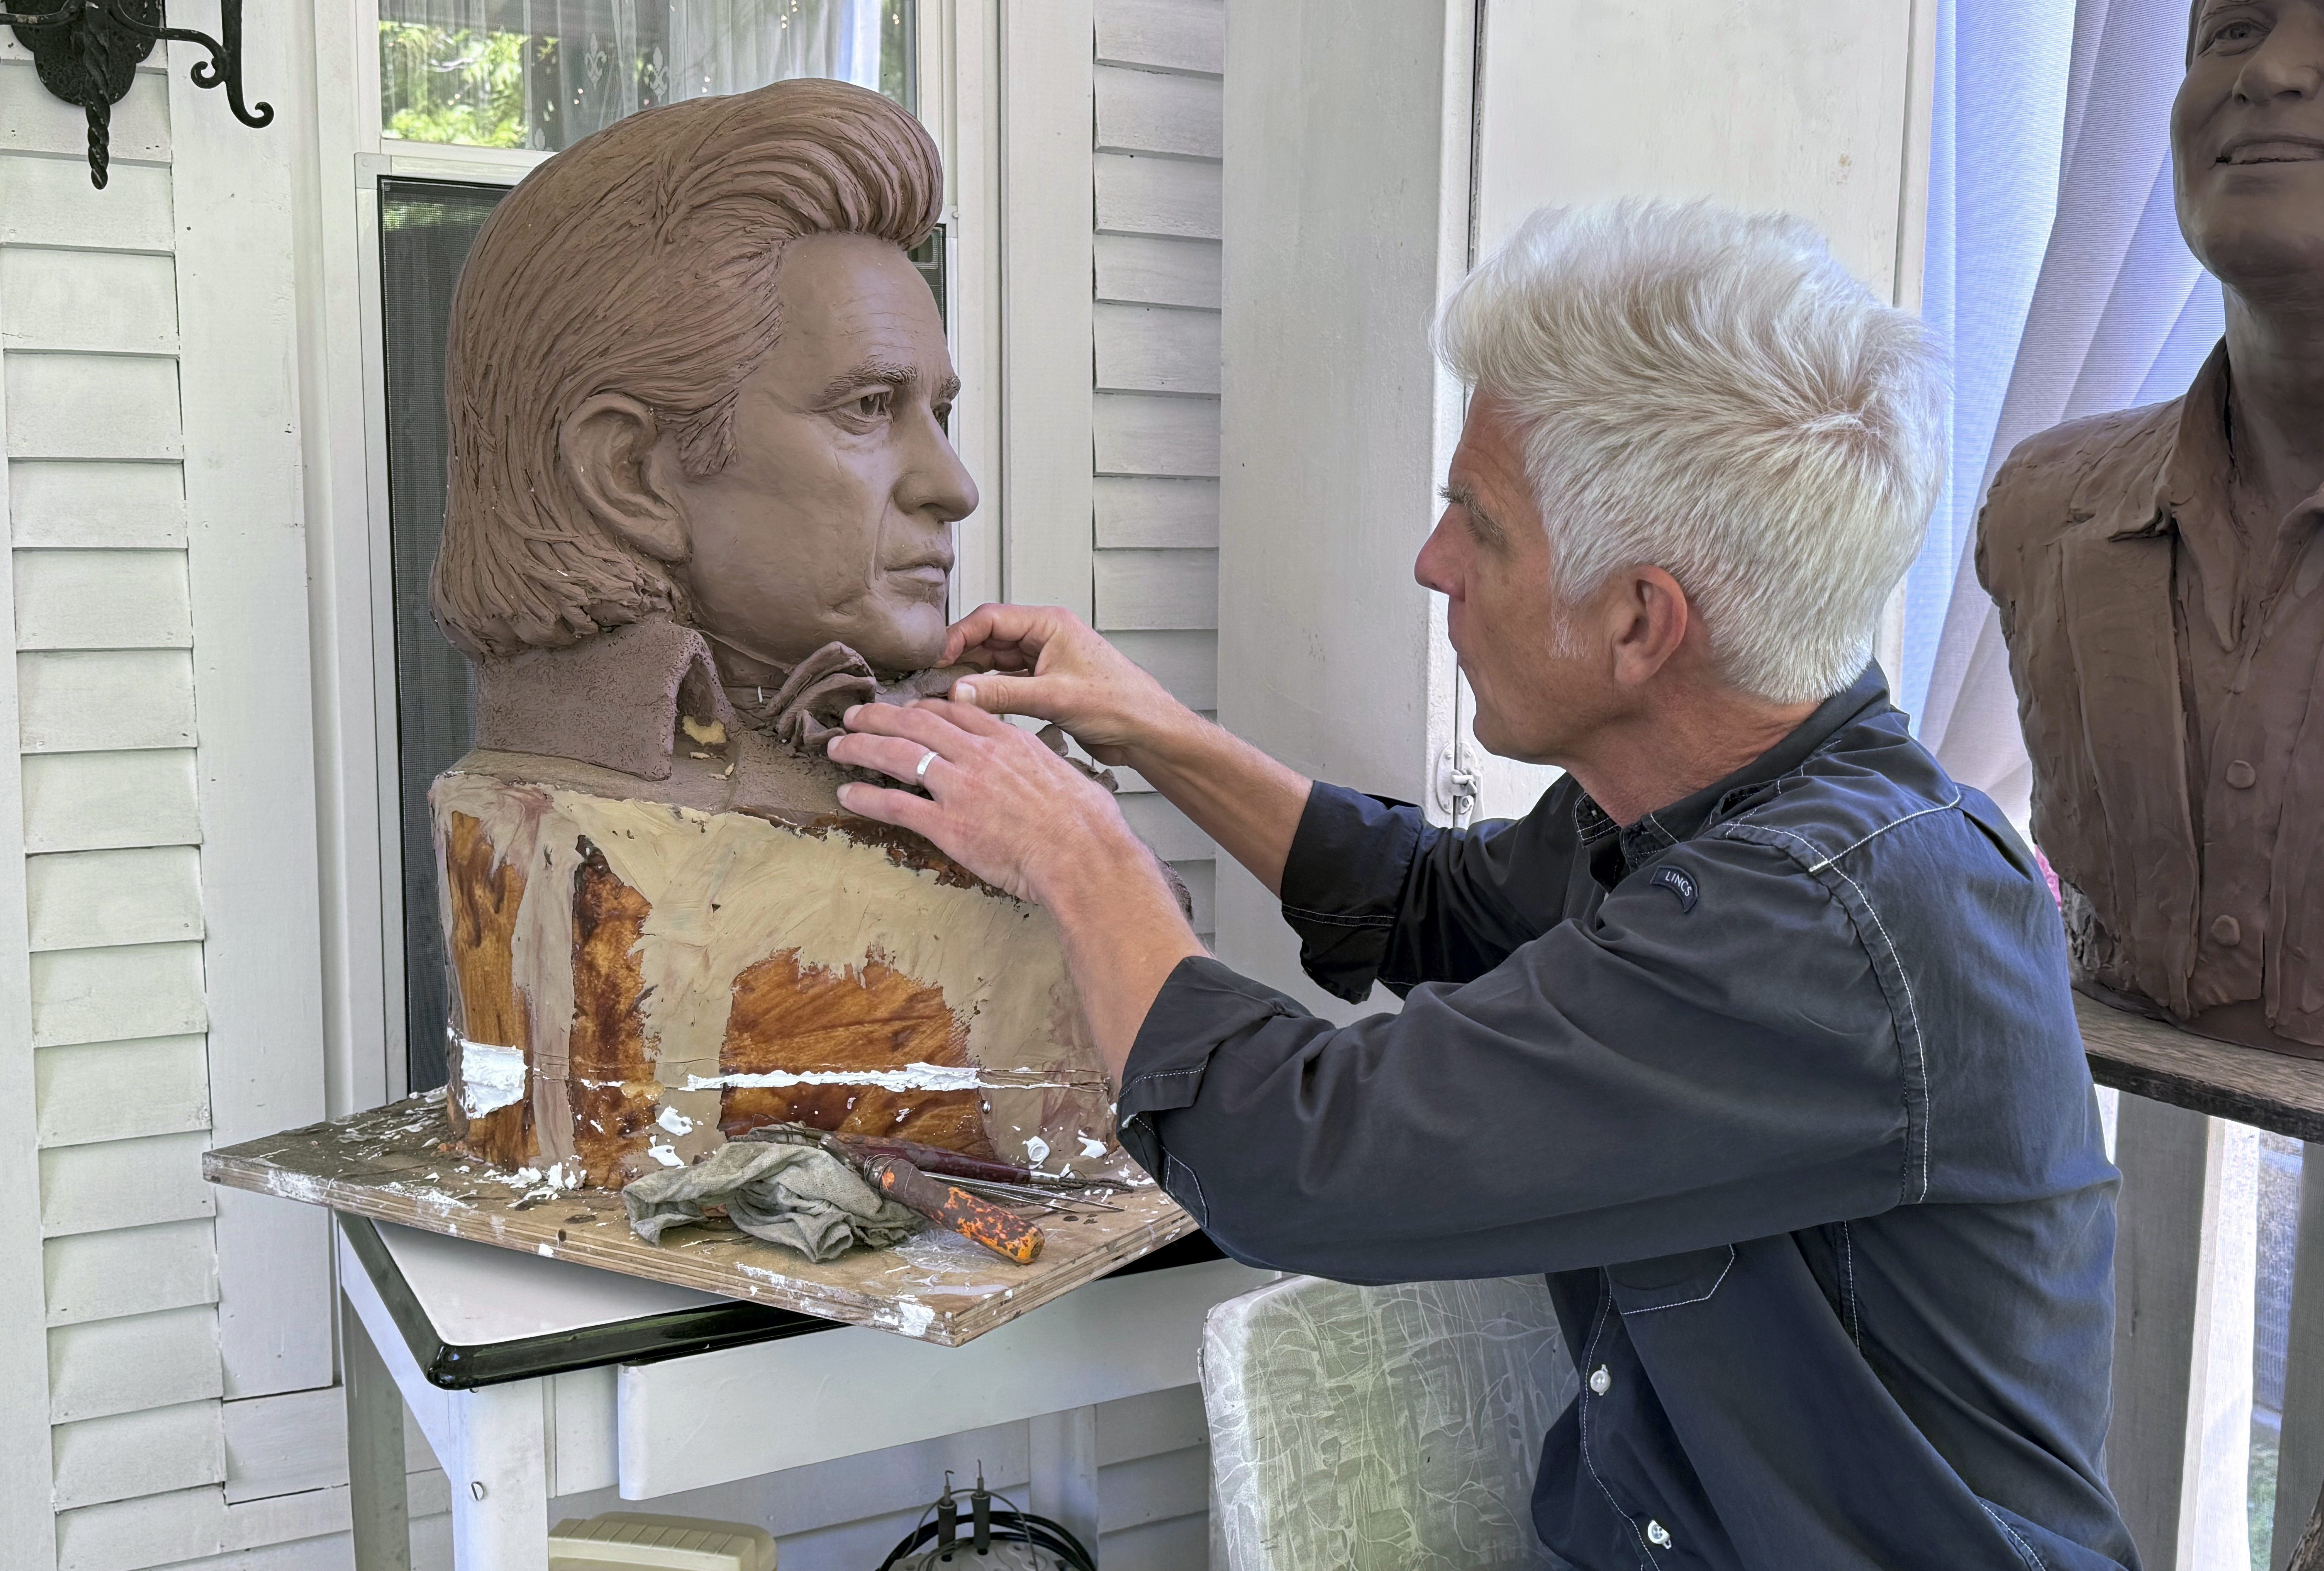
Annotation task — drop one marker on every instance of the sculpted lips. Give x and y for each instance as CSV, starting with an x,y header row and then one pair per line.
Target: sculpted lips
x,y
2275,148
928,577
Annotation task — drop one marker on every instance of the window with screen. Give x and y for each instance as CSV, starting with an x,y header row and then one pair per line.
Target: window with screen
x,y
425,230
543,74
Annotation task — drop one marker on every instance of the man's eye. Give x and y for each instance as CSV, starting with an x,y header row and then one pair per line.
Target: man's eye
x,y
2232,33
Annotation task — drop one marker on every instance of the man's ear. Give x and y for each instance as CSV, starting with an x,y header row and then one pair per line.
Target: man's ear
x,y
1652,618
611,450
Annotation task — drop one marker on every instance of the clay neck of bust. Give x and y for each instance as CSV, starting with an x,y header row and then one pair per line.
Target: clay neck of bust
x,y
2275,357
739,669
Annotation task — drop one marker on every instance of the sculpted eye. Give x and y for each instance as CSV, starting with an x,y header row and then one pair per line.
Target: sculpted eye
x,y
2233,35
873,406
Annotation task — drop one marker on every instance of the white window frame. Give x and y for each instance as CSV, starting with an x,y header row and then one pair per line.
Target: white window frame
x,y
342,400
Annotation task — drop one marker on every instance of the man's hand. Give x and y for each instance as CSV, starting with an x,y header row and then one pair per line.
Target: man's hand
x,y
1023,820
1055,666
999,803
1050,664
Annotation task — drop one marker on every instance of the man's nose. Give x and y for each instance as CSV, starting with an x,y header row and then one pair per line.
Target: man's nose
x,y
934,479
1435,567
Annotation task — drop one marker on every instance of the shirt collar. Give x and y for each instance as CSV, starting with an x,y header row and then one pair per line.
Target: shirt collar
x,y
1614,850
2194,496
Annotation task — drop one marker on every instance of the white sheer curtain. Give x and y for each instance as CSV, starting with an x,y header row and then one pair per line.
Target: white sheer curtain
x,y
730,46
2116,314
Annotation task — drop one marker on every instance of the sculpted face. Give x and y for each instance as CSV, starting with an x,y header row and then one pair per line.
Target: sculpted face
x,y
2247,146
834,519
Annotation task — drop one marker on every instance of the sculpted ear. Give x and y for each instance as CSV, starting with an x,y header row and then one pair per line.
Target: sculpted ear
x,y
611,450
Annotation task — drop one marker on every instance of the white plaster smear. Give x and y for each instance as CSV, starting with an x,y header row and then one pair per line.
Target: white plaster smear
x,y
491,1078
910,1077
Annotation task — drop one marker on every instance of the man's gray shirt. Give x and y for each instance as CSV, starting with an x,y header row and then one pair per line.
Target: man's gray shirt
x,y
1780,1086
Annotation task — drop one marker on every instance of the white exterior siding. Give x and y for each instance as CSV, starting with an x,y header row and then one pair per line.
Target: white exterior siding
x,y
128,338
1154,567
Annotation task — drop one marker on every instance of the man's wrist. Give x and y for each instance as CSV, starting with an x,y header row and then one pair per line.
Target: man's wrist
x,y
1094,867
1170,744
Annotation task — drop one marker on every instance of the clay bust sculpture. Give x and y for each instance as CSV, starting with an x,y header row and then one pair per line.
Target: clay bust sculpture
x,y
701,501
2161,583
699,393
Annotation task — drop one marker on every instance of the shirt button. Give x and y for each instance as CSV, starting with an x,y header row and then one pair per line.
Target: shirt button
x,y
1658,1535
2227,932
2242,775
1601,1382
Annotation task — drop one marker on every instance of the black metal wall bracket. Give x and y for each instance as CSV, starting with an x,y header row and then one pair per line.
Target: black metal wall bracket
x,y
87,52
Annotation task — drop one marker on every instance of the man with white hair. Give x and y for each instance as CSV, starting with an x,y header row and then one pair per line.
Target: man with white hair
x,y
1753,1035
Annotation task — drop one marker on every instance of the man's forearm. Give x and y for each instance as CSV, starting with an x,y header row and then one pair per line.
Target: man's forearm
x,y
1237,795
1124,934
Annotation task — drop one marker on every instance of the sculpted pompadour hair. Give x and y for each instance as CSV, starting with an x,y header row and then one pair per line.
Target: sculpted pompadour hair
x,y
639,261
1710,392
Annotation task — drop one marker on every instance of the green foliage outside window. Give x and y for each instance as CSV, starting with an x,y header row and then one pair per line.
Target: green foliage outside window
x,y
455,85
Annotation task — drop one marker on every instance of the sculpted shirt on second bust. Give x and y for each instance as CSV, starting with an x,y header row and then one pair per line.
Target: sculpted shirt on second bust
x,y
2166,646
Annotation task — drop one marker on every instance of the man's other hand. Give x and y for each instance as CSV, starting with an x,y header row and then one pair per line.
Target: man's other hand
x,y
999,803
1050,664
1023,820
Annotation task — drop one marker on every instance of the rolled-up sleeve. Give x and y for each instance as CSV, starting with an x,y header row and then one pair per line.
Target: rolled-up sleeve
x,y
1667,1074
1377,894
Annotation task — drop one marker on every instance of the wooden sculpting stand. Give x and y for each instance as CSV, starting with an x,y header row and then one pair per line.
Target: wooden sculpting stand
x,y
2162,1063
2271,1091
395,1164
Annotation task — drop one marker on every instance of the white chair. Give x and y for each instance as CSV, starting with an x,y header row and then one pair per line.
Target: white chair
x,y
1380,1429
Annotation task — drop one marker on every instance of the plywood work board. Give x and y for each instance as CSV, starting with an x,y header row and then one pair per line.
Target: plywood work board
x,y
393,1164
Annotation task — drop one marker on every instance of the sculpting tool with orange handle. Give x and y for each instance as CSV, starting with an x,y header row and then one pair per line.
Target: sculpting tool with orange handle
x,y
1007,1235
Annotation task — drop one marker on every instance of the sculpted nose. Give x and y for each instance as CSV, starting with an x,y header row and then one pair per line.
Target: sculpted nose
x,y
934,480
2290,64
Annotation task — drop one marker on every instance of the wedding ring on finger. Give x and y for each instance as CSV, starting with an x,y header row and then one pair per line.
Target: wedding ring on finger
x,y
920,775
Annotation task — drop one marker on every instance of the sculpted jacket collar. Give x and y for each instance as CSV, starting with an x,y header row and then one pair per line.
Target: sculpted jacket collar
x,y
615,699
618,699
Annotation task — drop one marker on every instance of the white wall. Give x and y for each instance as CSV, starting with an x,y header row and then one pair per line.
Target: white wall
x,y
1346,217
1349,187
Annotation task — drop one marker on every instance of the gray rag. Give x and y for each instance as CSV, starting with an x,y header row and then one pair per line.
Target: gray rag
x,y
797,1195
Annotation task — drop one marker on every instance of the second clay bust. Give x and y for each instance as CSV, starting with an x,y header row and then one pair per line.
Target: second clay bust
x,y
2160,574
701,470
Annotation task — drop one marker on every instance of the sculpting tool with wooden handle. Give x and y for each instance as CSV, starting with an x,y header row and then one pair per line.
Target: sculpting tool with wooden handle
x,y
959,1165
1008,1236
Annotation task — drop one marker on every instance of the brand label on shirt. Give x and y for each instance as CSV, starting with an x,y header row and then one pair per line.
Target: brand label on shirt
x,y
1678,882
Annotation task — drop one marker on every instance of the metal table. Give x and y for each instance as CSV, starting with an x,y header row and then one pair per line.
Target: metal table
x,y
534,1378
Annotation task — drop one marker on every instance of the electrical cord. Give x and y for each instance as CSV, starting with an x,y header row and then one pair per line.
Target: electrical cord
x,y
989,1526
